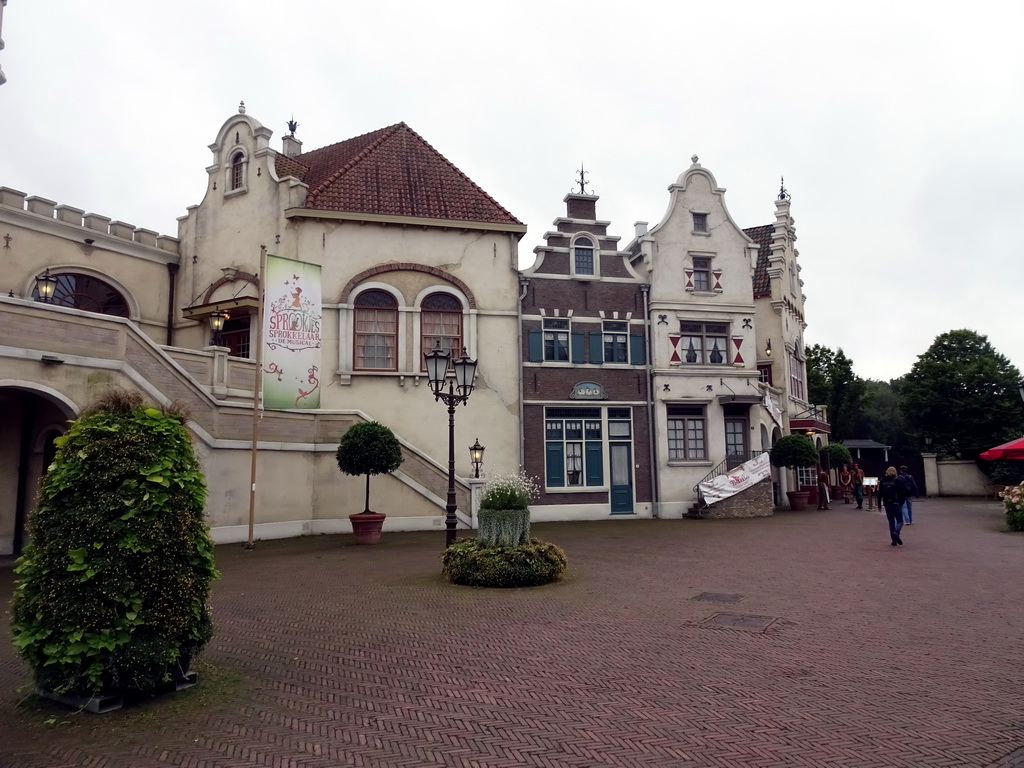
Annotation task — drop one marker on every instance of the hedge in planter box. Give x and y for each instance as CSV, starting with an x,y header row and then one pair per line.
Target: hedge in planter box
x,y
112,590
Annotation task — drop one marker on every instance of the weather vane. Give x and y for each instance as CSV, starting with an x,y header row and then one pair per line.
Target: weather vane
x,y
292,126
783,194
582,180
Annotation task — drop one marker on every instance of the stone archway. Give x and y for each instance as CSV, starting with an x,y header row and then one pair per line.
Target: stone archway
x,y
29,420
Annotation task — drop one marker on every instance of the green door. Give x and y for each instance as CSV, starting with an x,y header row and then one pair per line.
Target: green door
x,y
621,460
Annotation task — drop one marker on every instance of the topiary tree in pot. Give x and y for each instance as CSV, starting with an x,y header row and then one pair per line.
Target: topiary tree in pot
x,y
794,451
112,590
368,448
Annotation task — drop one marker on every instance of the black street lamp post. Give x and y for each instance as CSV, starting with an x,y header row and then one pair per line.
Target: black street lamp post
x,y
459,388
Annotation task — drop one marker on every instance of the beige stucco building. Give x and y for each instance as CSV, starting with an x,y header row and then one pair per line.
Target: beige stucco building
x,y
412,253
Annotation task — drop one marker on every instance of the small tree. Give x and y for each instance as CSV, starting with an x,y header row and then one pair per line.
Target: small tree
x,y
369,448
113,587
838,454
794,451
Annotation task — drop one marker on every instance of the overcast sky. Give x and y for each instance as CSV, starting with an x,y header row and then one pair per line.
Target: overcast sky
x,y
899,126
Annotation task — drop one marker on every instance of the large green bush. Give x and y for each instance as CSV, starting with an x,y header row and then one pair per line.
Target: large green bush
x,y
838,454
112,590
473,563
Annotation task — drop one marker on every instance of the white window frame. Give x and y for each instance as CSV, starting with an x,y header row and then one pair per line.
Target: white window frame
x,y
553,326
595,251
683,444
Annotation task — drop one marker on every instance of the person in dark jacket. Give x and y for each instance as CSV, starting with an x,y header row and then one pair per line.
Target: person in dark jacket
x,y
910,486
891,495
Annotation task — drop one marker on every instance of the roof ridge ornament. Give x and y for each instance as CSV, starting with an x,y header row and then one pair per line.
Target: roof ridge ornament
x,y
783,194
582,181
241,107
292,126
695,160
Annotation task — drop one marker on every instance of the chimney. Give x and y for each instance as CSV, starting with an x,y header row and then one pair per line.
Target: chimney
x,y
639,229
291,146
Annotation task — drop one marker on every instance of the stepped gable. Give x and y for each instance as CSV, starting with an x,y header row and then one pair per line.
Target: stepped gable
x,y
391,171
763,237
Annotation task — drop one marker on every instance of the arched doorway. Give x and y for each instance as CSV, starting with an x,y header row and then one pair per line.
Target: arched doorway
x,y
30,418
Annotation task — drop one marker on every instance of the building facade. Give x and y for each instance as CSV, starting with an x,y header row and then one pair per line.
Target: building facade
x,y
412,253
585,379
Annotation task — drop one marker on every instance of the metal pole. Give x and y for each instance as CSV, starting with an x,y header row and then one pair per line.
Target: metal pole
x,y
257,391
450,519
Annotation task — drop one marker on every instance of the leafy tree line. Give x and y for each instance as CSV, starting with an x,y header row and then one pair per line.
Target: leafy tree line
x,y
961,394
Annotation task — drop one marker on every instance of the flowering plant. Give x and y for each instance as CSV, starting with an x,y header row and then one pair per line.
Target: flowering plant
x,y
1013,503
512,490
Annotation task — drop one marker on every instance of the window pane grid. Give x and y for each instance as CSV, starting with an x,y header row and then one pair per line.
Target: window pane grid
x,y
704,343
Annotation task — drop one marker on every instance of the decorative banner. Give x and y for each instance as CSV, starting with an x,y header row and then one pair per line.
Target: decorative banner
x,y
736,480
771,403
291,334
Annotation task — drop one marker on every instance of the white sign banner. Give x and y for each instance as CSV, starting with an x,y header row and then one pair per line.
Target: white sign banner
x,y
291,334
744,476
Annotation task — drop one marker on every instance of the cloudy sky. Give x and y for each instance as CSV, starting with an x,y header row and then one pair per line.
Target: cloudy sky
x,y
899,126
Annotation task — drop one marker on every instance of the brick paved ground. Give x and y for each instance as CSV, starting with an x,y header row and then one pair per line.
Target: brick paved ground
x,y
853,653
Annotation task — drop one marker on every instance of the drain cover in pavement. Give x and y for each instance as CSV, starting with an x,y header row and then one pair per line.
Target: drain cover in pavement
x,y
739,621
719,597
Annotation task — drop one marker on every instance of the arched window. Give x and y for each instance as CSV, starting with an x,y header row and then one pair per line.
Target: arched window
x,y
86,292
583,255
441,321
237,171
376,331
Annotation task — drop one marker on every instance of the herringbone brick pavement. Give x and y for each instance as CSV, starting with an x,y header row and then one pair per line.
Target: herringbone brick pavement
x,y
818,645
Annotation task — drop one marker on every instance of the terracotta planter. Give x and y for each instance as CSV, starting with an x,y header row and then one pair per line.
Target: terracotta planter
x,y
366,527
798,500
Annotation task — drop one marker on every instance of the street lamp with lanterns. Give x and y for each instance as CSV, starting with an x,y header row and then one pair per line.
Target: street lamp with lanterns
x,y
459,387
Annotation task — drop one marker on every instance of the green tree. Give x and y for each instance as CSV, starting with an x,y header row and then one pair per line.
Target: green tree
x,y
369,448
882,417
963,394
832,382
113,589
794,450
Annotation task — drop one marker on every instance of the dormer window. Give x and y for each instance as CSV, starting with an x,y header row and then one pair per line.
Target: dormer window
x,y
237,179
583,256
700,222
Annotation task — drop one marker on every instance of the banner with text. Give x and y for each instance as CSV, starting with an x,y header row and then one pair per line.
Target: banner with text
x,y
291,334
735,480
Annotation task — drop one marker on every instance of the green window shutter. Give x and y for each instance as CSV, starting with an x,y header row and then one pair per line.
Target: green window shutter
x,y
576,347
536,346
555,460
596,347
595,467
637,349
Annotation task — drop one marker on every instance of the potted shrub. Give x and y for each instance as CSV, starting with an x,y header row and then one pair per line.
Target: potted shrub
x,y
368,448
113,588
503,554
795,451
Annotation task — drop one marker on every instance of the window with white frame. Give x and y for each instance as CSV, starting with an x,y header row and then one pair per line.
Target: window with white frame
x,y
237,178
796,374
704,343
806,476
441,325
376,331
615,335
701,273
556,339
583,256
573,447
687,432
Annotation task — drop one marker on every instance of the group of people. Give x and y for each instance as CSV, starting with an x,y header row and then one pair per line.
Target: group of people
x,y
895,491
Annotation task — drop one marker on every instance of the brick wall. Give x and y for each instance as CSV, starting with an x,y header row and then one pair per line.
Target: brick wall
x,y
753,502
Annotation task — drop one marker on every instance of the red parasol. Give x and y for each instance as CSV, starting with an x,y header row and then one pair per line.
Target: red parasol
x,y
1011,450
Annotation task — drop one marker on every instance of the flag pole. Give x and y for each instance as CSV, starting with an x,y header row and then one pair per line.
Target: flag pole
x,y
257,393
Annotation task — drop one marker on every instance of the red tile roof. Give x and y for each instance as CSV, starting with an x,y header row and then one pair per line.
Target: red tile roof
x,y
763,237
392,171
